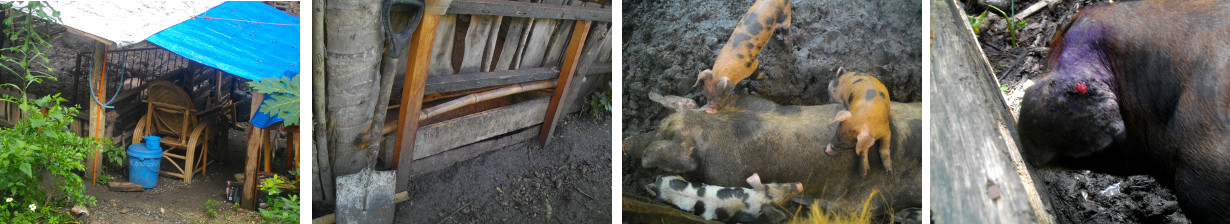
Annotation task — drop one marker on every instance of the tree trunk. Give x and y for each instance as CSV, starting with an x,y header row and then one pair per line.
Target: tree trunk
x,y
324,179
353,46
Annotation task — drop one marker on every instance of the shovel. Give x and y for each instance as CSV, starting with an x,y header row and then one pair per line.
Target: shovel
x,y
368,196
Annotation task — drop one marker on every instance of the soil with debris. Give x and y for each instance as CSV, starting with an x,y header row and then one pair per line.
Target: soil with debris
x,y
172,200
1078,196
569,181
667,43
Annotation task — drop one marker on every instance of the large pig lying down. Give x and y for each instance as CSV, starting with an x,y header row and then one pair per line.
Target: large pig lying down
x,y
1140,87
783,144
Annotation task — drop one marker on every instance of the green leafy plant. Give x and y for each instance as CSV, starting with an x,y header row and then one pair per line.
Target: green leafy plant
x,y
285,93
209,208
283,208
976,21
39,142
600,102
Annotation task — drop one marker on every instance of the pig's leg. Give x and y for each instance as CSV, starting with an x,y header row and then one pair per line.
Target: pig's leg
x,y
885,151
866,165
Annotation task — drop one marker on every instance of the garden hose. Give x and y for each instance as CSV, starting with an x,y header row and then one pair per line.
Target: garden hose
x,y
123,63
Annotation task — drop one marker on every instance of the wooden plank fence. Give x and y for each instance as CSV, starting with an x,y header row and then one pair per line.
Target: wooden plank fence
x,y
478,46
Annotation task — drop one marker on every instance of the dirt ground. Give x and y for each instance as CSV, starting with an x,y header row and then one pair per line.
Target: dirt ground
x,y
569,181
1080,196
174,201
666,43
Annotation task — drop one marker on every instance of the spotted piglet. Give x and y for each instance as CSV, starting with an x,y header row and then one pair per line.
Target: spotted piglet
x,y
865,119
730,204
737,60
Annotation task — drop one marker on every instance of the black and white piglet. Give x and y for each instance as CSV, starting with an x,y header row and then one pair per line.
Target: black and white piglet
x,y
731,204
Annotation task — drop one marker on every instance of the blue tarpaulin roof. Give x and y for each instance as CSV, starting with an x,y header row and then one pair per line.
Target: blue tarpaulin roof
x,y
248,39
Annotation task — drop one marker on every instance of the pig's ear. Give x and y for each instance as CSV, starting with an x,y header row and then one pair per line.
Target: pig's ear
x,y
839,71
864,138
725,85
703,75
754,180
841,116
652,188
655,97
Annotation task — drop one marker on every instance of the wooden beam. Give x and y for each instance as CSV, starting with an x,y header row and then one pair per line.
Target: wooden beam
x,y
98,120
412,97
445,135
530,10
446,159
571,58
451,83
250,162
976,132
582,82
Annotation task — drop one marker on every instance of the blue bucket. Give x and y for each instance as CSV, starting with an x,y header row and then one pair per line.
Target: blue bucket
x,y
143,165
152,142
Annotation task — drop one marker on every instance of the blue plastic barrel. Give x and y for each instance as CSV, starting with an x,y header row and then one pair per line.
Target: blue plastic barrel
x,y
143,165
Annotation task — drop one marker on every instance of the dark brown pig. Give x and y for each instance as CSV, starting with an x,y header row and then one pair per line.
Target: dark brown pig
x,y
784,144
1140,88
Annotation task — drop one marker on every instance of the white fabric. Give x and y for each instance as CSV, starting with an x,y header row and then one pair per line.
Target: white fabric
x,y
127,22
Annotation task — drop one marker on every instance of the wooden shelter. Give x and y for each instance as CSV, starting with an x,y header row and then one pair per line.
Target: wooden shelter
x,y
118,78
482,75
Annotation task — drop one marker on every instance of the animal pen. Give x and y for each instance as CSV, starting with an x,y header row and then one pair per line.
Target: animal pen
x,y
179,81
480,75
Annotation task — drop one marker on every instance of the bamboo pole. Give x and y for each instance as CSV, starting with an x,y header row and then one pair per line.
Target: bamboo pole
x,y
482,96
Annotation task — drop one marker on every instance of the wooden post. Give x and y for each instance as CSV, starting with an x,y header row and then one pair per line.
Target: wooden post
x,y
267,150
97,117
255,136
417,64
575,44
292,147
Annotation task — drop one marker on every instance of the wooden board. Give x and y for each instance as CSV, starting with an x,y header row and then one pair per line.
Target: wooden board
x,y
568,70
530,10
439,84
586,79
512,41
536,46
477,36
442,50
440,137
411,100
977,174
446,159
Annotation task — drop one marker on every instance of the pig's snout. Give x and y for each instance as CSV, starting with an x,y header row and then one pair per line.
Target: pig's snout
x,y
829,150
798,186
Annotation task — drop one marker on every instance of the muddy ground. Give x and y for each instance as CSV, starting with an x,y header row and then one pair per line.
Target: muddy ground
x,y
666,43
569,181
174,201
1079,196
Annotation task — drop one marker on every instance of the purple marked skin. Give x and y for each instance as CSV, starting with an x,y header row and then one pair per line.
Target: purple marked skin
x,y
1140,88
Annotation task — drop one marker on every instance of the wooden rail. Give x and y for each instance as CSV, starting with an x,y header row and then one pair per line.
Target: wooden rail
x,y
529,10
977,174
